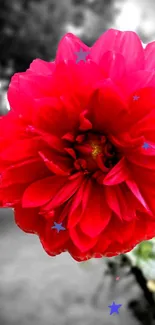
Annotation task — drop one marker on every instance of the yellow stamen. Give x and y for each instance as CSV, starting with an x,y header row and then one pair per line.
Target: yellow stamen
x,y
96,149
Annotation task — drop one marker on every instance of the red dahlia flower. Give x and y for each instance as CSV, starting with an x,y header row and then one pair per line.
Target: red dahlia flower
x,y
77,148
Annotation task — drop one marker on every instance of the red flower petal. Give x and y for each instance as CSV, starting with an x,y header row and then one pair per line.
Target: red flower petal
x,y
77,199
149,53
135,81
126,43
28,149
113,200
124,233
118,174
71,152
102,245
85,124
24,172
59,165
67,47
110,103
77,254
97,213
74,217
42,191
113,65
65,193
28,219
12,195
25,102
148,190
79,203
139,111
49,111
135,190
127,210
53,242
82,241
39,66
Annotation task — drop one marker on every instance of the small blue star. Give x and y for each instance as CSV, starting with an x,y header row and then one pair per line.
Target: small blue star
x,y
136,97
146,145
81,55
114,308
58,226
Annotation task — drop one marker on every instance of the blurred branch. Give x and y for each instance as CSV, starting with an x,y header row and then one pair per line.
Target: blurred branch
x,y
140,279
113,269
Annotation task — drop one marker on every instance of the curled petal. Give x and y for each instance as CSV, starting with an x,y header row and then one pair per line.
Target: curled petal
x,y
68,45
117,175
85,124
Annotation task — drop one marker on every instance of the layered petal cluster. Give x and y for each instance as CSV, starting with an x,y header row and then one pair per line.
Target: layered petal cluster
x,y
77,147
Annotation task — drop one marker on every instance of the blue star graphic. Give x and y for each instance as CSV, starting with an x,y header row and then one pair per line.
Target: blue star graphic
x,y
58,226
81,55
146,145
114,308
136,97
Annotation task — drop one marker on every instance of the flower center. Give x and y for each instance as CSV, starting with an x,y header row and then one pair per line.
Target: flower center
x,y
94,152
96,149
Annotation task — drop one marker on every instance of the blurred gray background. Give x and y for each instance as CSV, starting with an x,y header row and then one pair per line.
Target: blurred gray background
x,y
36,289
